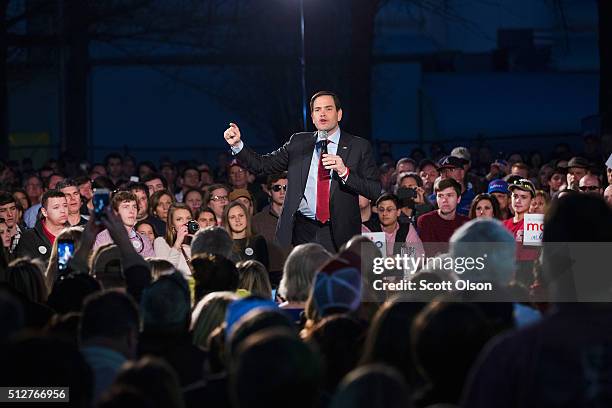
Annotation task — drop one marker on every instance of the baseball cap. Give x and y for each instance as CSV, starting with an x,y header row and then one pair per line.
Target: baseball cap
x,y
337,286
240,192
235,162
524,185
462,153
498,186
450,162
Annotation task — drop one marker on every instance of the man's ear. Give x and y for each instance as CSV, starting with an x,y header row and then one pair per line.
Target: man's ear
x,y
43,210
339,114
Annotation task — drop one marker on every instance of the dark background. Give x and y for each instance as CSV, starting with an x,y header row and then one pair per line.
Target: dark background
x,y
163,78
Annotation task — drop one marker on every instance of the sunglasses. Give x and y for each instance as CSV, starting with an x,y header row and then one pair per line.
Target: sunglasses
x,y
588,188
277,187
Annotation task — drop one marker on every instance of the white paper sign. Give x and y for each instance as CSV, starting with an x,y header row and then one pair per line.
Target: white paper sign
x,y
609,162
534,229
379,240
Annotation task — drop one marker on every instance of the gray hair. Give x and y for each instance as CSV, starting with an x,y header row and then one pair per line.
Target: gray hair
x,y
214,241
486,236
299,271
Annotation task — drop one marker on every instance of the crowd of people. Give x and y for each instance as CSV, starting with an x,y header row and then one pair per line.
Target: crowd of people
x,y
179,294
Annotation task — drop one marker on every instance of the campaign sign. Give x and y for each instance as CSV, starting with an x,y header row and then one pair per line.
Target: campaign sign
x,y
379,240
534,229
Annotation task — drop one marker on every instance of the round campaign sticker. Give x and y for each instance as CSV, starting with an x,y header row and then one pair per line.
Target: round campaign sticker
x,y
248,251
42,249
137,245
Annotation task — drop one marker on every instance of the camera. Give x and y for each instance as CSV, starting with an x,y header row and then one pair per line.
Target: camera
x,y
192,227
406,192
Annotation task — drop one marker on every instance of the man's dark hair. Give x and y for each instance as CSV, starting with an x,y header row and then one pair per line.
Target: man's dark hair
x,y
324,93
112,156
50,194
6,198
103,182
286,369
166,304
48,179
110,314
31,176
80,180
66,183
121,196
153,176
213,273
273,178
190,168
446,183
212,240
388,197
133,186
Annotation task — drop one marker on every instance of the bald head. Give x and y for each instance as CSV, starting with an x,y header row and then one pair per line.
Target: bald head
x,y
590,184
608,195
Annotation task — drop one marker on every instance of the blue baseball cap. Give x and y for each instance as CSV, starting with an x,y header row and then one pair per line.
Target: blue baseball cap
x,y
498,186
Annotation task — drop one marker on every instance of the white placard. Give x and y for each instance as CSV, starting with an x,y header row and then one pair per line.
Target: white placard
x,y
534,229
379,240
609,162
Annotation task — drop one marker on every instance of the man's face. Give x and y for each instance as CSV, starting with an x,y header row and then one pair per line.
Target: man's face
x,y
169,173
387,213
218,201
521,201
191,178
574,174
608,195
9,213
247,203
74,199
154,185
324,114
54,180
456,173
115,167
56,212
143,203
590,184
278,191
206,220
97,171
128,211
609,175
428,174
502,199
447,200
86,191
237,177
34,188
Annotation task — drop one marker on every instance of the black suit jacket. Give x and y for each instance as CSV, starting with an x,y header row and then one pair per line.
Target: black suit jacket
x,y
295,156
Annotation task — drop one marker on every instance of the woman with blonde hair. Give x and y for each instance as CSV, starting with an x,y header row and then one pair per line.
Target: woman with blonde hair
x,y
209,314
247,245
175,247
253,277
73,234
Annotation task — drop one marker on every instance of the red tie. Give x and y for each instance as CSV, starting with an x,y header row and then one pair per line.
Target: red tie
x,y
323,177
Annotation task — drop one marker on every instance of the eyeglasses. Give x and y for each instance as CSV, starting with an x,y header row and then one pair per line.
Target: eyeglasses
x,y
277,187
588,188
218,198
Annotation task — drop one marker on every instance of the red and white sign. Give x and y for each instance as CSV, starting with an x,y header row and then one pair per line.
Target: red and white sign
x,y
534,229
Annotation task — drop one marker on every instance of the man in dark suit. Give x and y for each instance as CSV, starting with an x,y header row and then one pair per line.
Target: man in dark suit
x,y
326,171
